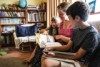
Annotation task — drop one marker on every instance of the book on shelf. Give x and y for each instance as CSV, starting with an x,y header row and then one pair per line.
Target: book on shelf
x,y
11,14
33,17
8,29
11,21
42,16
32,7
46,41
43,6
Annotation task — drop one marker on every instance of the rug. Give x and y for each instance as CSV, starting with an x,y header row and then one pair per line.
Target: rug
x,y
12,62
3,53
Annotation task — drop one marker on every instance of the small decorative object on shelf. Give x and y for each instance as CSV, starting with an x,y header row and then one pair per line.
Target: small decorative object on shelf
x,y
22,4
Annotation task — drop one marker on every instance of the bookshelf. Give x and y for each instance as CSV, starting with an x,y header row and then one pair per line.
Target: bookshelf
x,y
12,15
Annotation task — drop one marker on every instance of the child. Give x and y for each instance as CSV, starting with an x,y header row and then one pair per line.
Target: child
x,y
53,29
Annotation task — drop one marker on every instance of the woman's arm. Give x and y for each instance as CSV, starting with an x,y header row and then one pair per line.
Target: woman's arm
x,y
80,53
61,37
61,48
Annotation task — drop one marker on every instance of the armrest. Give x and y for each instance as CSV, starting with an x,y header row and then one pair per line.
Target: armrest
x,y
14,34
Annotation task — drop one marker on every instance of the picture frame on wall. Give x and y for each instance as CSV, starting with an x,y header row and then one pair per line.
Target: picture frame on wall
x,y
94,5
91,4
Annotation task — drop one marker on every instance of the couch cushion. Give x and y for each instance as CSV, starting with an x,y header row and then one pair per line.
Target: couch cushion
x,y
96,24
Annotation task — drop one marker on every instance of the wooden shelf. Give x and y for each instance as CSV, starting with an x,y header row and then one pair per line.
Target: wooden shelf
x,y
94,13
13,10
12,17
9,24
38,22
9,17
36,10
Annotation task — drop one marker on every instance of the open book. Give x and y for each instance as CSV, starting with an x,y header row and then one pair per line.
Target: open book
x,y
46,41
59,52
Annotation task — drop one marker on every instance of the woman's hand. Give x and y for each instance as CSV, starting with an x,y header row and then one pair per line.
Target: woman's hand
x,y
48,53
58,37
62,38
48,48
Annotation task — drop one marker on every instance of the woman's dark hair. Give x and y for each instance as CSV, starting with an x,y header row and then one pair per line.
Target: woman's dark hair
x,y
80,9
63,6
53,19
51,32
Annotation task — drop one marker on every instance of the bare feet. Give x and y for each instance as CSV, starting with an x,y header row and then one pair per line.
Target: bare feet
x,y
27,61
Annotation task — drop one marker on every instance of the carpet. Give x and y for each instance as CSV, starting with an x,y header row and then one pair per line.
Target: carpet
x,y
11,62
3,53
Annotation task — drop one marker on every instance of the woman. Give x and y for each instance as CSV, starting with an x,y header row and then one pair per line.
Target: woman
x,y
65,27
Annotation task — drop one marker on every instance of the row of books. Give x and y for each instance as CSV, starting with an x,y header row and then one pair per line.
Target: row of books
x,y
11,21
11,14
6,29
36,17
9,7
32,7
43,6
33,17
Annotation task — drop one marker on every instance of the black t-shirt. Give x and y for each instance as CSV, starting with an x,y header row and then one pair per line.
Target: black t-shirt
x,y
86,39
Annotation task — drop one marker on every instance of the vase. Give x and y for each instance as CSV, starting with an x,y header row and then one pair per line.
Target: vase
x,y
22,3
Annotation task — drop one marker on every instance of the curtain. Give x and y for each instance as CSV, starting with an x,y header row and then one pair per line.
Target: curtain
x,y
52,9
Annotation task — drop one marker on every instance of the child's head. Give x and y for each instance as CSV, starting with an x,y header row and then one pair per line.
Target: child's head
x,y
53,22
44,31
78,11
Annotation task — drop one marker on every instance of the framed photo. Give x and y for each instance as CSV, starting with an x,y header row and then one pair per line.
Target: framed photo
x,y
94,5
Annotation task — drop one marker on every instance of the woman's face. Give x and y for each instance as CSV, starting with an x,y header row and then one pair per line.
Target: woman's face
x,y
62,14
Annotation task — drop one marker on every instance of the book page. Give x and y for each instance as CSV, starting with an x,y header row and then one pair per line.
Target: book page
x,y
59,52
46,41
53,44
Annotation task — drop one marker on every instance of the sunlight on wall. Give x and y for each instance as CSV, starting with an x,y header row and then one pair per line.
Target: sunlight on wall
x,y
29,2
94,17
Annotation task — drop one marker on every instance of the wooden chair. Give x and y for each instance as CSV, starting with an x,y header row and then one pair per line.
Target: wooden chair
x,y
24,36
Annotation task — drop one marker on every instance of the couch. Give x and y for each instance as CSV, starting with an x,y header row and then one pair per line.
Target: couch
x,y
96,24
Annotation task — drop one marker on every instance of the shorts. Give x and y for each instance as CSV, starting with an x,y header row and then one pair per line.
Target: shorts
x,y
75,64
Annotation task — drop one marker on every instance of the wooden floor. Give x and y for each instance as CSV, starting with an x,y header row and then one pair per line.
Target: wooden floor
x,y
12,52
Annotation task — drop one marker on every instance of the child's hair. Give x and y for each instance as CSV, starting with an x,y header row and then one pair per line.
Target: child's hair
x,y
51,32
80,9
53,19
63,6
